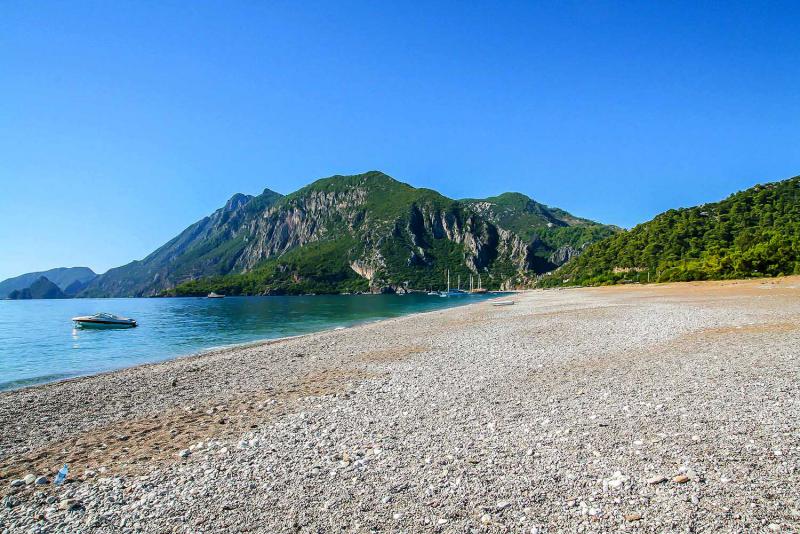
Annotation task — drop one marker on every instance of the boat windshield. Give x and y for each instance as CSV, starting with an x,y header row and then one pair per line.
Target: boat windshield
x,y
104,315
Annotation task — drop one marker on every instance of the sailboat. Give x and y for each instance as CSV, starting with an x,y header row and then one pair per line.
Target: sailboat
x,y
453,292
478,289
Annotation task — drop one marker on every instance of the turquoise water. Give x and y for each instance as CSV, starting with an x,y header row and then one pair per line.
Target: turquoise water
x,y
39,344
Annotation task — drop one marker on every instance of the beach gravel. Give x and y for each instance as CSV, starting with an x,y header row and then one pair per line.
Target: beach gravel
x,y
632,409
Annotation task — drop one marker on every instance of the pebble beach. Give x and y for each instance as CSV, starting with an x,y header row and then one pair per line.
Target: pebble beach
x,y
654,408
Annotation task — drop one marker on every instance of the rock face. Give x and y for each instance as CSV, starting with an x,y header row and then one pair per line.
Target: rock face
x,y
209,247
371,226
563,255
551,235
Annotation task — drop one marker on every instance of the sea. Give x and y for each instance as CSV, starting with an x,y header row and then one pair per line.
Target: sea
x,y
39,343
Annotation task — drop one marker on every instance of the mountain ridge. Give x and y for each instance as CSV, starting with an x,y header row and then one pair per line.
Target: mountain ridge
x,y
41,288
63,277
363,232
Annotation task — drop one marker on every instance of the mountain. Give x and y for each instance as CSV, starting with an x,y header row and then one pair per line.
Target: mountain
x,y
554,235
63,277
211,246
41,288
751,233
367,232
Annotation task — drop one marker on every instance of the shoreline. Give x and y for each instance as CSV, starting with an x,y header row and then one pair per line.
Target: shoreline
x,y
242,345
553,413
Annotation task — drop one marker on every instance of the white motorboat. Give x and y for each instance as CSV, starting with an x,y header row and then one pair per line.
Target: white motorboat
x,y
503,303
213,295
103,320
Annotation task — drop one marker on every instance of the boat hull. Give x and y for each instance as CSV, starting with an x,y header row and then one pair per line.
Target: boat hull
x,y
104,324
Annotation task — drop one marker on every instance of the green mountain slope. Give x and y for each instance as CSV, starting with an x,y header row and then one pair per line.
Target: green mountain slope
x,y
555,236
372,232
751,233
63,277
367,232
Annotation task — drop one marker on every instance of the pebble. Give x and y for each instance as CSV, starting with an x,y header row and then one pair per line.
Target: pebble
x,y
681,479
658,479
502,505
69,504
615,481
40,481
633,517
17,483
30,479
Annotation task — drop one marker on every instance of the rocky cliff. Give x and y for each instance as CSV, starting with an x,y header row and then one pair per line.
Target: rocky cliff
x,y
343,233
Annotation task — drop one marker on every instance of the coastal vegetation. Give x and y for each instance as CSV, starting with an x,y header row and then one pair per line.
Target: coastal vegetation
x,y
752,233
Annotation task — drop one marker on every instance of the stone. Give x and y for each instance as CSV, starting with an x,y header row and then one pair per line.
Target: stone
x,y
633,517
42,480
17,483
681,479
616,480
658,479
30,479
185,453
69,504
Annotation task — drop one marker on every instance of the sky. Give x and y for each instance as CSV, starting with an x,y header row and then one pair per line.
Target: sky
x,y
121,123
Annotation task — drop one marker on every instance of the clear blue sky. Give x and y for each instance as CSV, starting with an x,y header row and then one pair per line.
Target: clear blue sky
x,y
123,122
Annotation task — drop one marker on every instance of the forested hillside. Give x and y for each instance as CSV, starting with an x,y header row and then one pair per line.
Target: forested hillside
x,y
749,234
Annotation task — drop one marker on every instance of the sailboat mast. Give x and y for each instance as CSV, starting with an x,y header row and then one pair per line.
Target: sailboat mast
x,y
448,280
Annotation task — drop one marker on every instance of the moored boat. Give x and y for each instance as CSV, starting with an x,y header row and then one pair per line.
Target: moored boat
x,y
103,320
213,295
451,292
